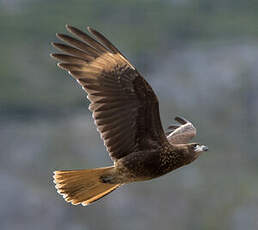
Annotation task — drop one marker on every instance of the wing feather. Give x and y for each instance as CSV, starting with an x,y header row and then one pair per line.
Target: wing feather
x,y
181,134
85,37
78,44
72,51
124,106
69,59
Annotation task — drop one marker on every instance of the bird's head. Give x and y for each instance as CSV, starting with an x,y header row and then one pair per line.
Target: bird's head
x,y
193,151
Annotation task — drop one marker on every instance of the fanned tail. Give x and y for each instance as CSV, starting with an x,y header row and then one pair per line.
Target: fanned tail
x,y
84,186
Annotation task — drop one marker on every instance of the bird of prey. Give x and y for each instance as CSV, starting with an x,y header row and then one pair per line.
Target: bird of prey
x,y
126,113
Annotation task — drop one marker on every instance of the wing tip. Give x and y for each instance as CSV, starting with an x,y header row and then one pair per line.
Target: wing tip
x,y
91,30
68,27
181,120
55,44
72,29
54,56
60,36
60,66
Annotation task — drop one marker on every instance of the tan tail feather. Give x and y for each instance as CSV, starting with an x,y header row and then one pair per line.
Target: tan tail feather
x,y
83,186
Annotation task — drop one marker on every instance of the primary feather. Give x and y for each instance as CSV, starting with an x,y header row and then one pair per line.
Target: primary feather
x,y
121,100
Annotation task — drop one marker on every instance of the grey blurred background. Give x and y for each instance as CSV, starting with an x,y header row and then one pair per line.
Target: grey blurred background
x,y
200,57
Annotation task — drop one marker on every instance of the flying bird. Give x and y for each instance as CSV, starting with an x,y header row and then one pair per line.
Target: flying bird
x,y
126,113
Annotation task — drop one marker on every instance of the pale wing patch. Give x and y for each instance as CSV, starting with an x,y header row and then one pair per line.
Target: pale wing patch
x,y
108,61
183,134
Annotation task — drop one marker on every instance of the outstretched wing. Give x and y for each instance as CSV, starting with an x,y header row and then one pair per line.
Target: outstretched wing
x,y
181,134
124,106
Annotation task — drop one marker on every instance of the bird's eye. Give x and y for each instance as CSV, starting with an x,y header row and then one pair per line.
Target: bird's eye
x,y
195,145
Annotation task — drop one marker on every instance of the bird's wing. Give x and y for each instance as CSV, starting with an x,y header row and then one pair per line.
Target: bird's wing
x,y
124,106
181,134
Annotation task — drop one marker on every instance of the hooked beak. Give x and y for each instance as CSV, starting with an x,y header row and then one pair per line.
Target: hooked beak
x,y
201,148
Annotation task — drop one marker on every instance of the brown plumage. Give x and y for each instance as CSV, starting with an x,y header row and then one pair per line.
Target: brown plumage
x,y
126,113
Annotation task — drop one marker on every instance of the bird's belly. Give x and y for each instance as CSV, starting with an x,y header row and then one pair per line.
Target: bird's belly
x,y
139,166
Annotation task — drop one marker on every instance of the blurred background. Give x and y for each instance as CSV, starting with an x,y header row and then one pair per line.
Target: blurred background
x,y
200,56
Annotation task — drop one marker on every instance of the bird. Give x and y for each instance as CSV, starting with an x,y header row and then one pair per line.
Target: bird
x,y
125,110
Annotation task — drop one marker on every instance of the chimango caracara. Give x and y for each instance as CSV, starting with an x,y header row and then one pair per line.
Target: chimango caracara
x,y
126,112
